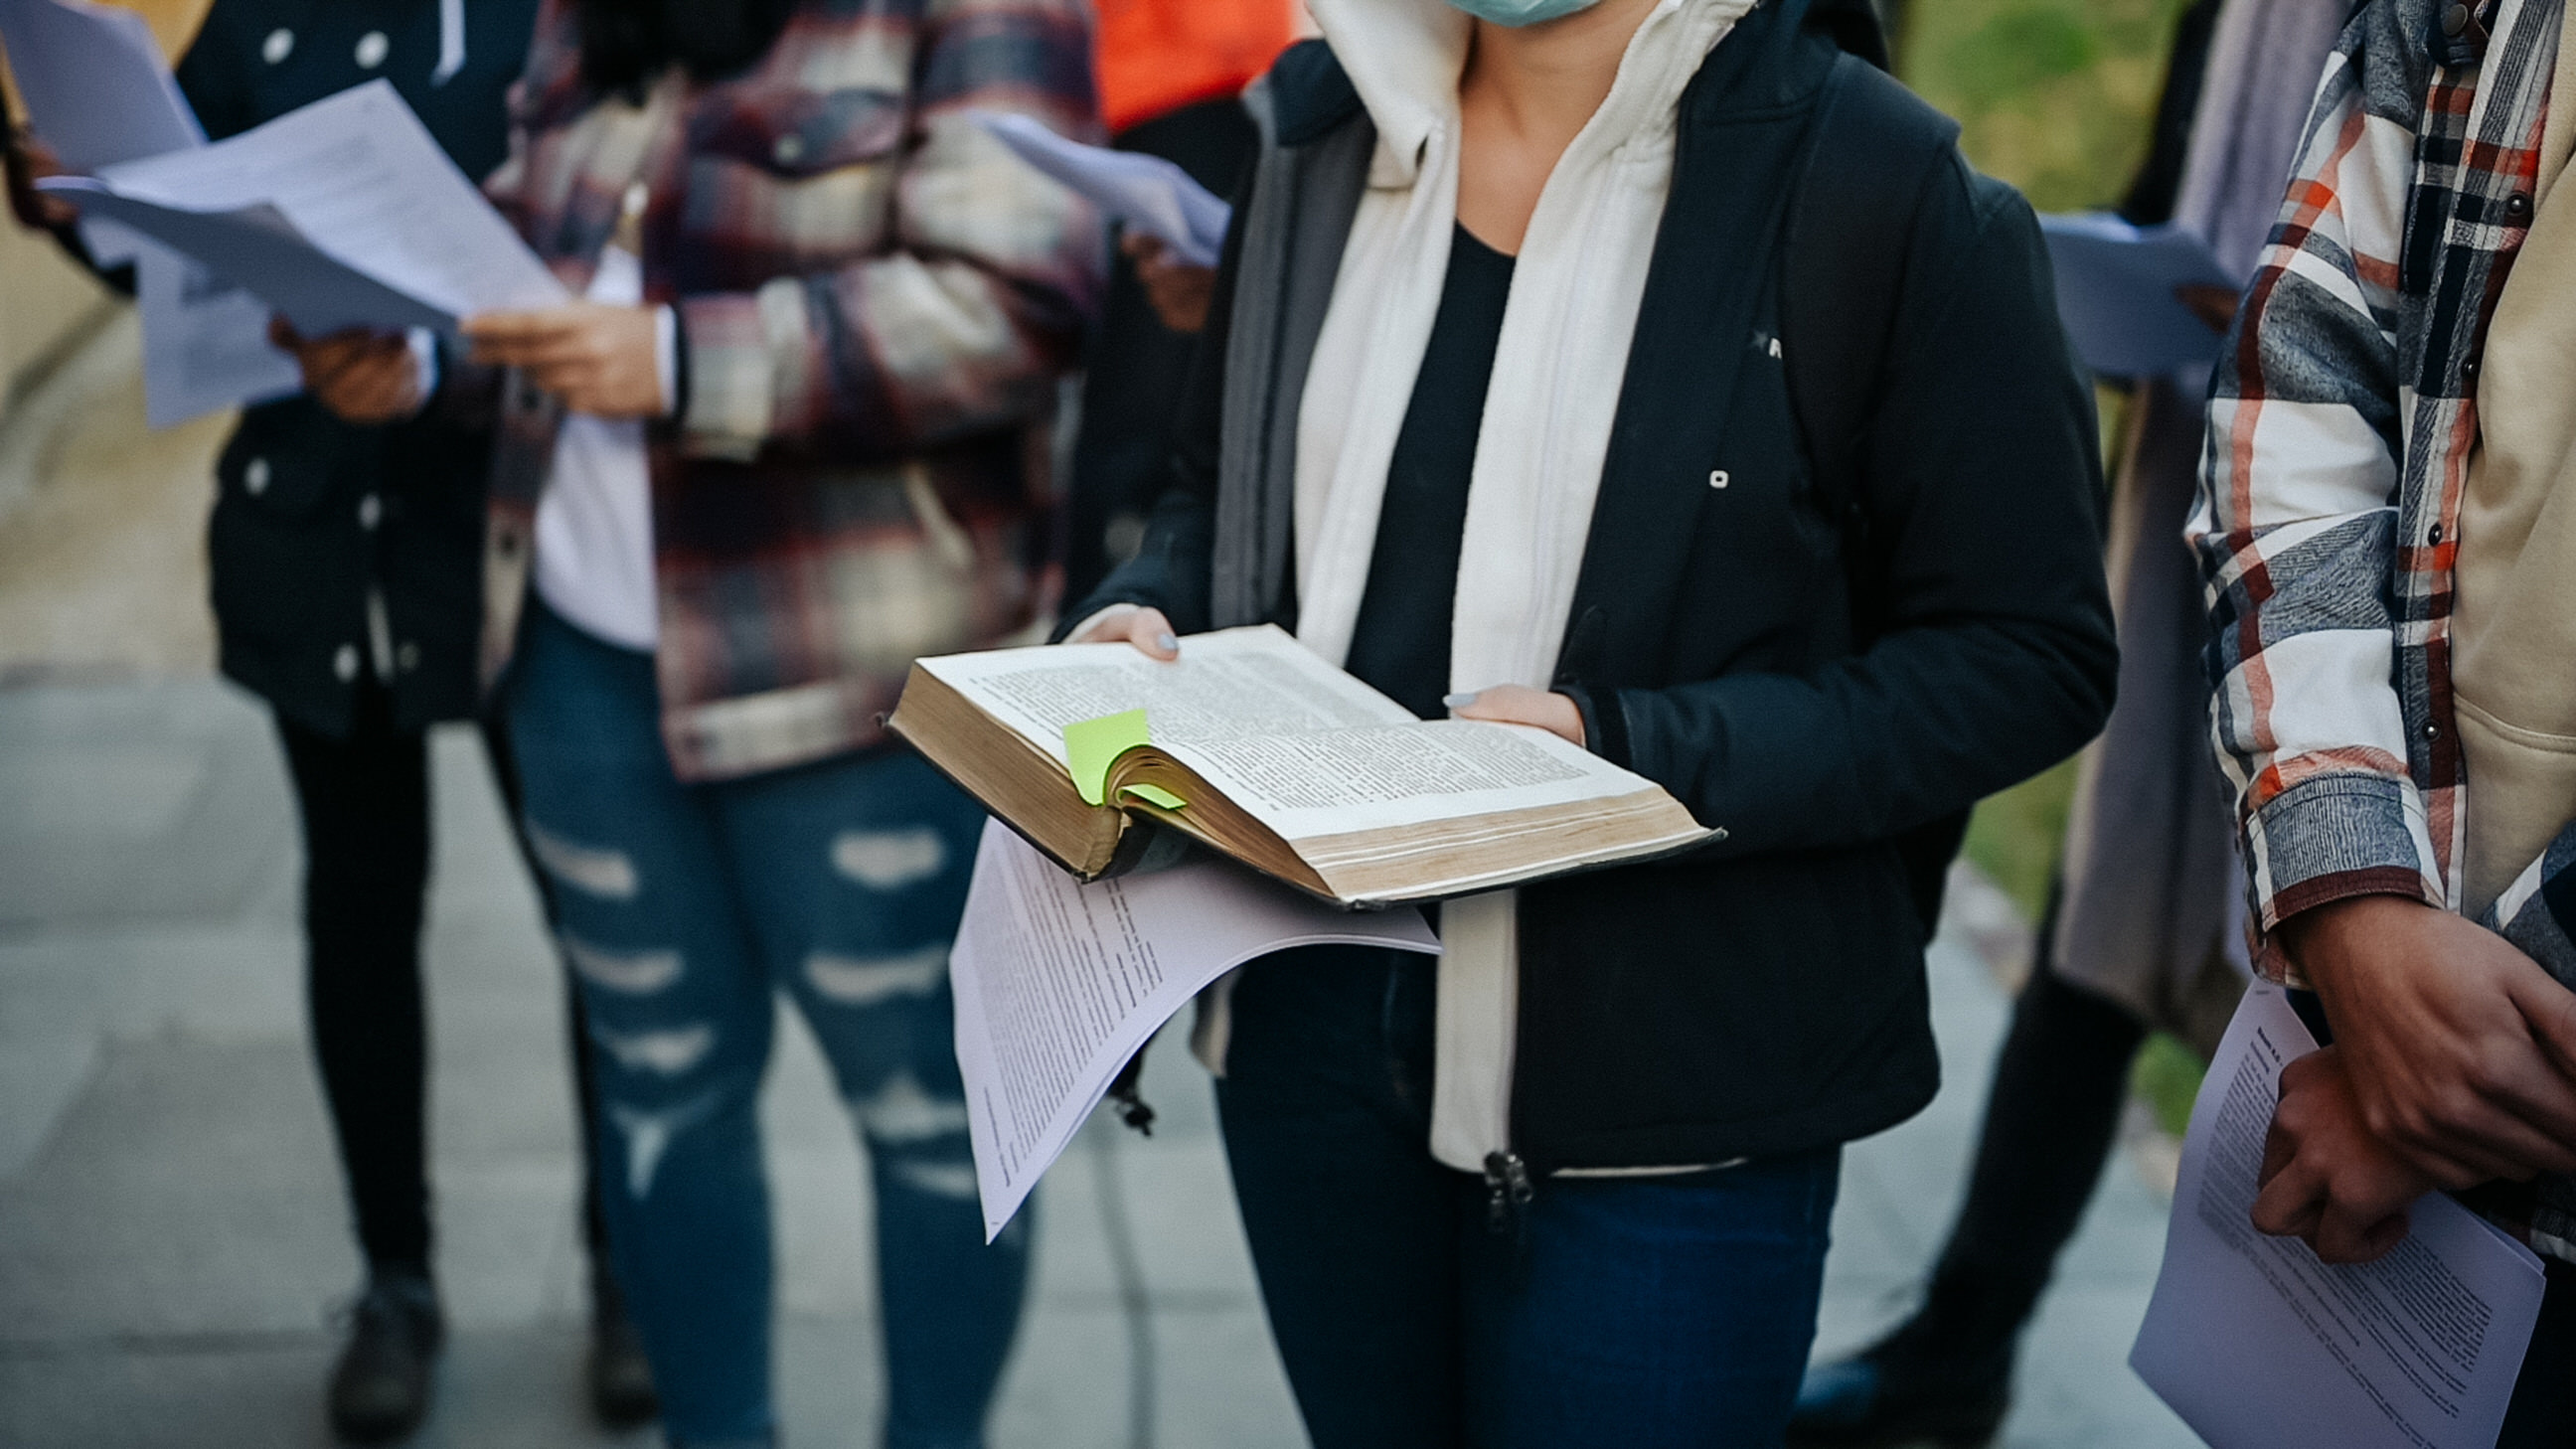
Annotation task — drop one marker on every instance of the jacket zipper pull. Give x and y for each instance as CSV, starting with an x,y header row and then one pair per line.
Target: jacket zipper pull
x,y
1507,1188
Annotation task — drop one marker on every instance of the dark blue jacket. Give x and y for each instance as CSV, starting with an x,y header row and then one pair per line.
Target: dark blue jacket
x,y
1868,629
311,514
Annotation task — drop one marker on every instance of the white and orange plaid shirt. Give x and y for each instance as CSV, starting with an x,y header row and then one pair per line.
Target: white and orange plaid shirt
x,y
2342,417
2341,420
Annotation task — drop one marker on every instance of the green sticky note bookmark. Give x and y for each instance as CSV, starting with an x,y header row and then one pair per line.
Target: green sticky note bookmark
x,y
1154,795
1091,746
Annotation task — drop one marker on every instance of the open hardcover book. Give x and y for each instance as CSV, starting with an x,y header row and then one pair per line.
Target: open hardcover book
x,y
1261,751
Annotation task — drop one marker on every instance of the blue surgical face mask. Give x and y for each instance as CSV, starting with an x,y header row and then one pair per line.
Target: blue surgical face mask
x,y
1516,13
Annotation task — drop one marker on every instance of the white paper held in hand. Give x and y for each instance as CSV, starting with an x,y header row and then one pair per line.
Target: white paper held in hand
x,y
2118,291
1147,193
97,93
1058,983
2258,1344
344,213
96,88
205,341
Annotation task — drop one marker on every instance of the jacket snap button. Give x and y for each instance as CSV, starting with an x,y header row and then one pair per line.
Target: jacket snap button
x,y
371,50
278,46
2455,20
255,476
789,149
371,511
2518,206
2469,370
2434,535
2432,731
345,663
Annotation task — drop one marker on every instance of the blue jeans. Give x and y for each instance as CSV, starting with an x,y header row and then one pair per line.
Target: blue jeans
x,y
683,909
1637,1312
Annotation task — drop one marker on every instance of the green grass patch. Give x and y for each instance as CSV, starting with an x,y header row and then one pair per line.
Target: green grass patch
x,y
2055,96
2014,836
2167,1078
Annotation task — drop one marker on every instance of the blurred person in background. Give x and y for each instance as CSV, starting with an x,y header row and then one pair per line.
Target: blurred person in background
x,y
346,549
1558,373
1172,73
2387,526
793,434
2145,928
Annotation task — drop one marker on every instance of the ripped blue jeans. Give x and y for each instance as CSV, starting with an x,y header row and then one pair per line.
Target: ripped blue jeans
x,y
684,908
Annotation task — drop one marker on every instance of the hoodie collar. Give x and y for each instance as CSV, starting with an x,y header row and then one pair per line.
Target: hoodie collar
x,y
1404,58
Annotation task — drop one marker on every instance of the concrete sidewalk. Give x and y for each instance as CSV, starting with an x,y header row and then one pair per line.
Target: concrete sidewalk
x,y
171,1232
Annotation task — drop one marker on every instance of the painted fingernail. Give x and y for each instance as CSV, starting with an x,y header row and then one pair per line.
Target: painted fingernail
x,y
1167,643
1460,701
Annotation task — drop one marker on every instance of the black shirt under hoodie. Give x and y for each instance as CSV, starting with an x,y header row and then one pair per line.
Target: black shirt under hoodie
x,y
1400,646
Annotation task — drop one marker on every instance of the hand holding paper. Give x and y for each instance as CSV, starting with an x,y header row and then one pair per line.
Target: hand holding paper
x,y
1179,292
99,93
367,378
2325,1179
2135,299
1146,193
31,161
598,357
342,214
2258,1344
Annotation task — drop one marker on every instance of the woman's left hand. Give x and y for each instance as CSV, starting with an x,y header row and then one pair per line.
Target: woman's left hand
x,y
1519,704
597,356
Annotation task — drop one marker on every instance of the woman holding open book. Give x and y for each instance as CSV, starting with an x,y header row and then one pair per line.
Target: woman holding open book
x,y
790,436
1647,372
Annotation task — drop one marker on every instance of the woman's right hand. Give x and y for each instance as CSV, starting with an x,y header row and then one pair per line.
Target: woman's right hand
x,y
31,161
1145,628
363,377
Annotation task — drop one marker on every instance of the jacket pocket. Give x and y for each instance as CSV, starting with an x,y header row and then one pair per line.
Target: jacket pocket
x,y
794,134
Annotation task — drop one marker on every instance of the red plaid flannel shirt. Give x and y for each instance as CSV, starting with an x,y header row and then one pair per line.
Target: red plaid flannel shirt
x,y
876,302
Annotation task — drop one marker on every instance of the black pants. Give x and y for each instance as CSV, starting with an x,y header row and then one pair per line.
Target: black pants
x,y
364,801
2052,1116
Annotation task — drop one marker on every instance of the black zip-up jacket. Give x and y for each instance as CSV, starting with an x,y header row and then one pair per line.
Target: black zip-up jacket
x,y
1764,993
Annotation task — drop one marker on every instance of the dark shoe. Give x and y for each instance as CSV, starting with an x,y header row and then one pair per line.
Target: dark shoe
x,y
621,1380
380,1389
1857,1404
1942,1377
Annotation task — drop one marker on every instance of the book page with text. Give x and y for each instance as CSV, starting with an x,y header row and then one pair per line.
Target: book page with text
x,y
1303,746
